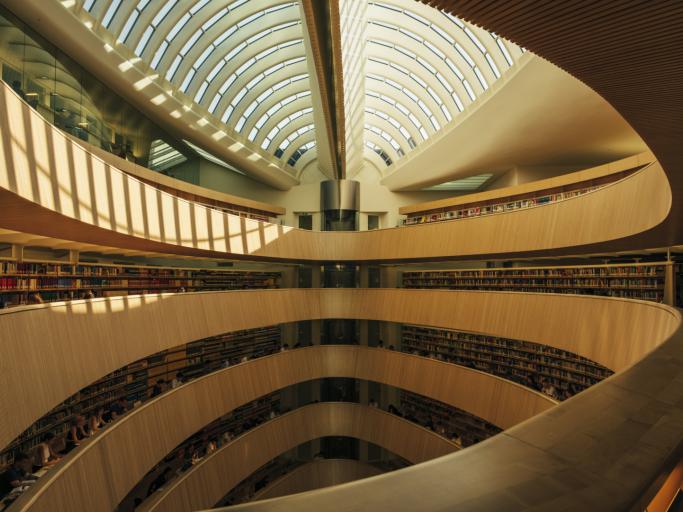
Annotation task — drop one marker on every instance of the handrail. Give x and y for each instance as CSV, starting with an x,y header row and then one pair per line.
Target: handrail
x,y
51,186
64,347
609,448
116,459
214,477
571,181
178,187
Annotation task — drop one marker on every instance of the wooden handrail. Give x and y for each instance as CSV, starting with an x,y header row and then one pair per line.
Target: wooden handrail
x,y
57,349
115,460
39,167
205,484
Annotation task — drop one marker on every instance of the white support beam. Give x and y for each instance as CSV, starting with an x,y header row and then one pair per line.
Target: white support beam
x,y
353,25
323,137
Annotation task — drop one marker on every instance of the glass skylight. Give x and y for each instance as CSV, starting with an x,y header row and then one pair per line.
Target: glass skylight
x,y
300,152
162,156
441,55
465,184
243,64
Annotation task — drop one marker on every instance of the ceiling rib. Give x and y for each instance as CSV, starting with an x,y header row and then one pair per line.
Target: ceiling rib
x,y
322,31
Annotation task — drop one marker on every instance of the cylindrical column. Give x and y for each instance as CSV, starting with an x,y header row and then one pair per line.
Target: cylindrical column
x,y
339,204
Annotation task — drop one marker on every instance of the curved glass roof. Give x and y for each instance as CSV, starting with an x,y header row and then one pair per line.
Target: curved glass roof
x,y
423,68
245,62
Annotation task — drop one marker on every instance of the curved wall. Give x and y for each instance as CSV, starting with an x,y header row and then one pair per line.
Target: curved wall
x,y
115,460
51,186
609,449
205,484
603,449
317,475
96,337
638,76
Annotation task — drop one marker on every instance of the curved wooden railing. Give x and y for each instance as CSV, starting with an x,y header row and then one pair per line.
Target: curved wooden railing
x,y
606,448
317,474
115,460
184,189
53,187
609,448
213,478
51,351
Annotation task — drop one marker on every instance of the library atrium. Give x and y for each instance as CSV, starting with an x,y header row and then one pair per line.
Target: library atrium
x,y
341,255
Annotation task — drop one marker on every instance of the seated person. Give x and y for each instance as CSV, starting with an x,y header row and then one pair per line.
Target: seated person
x,y
116,410
45,454
96,421
212,446
178,380
157,388
15,475
76,432
549,389
159,481
35,298
456,439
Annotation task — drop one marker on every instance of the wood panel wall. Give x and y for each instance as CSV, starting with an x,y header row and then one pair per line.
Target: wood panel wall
x,y
532,188
611,447
51,351
98,475
608,448
205,484
53,187
317,475
638,76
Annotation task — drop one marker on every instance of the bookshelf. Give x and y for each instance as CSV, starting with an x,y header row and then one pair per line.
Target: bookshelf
x,y
134,381
644,281
433,414
514,202
523,362
57,281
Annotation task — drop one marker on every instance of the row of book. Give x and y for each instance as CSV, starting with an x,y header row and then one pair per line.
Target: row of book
x,y
531,282
49,283
571,371
610,272
527,363
66,281
94,269
637,281
489,209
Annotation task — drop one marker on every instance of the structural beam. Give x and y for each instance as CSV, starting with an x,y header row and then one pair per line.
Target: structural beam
x,y
353,23
323,42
